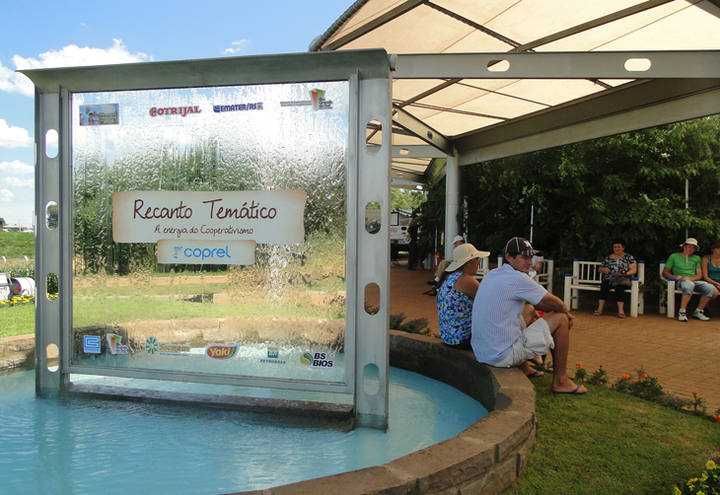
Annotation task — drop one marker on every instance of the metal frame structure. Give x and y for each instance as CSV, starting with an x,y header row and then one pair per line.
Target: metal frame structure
x,y
368,179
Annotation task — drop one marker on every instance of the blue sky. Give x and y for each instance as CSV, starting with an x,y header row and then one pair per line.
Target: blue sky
x,y
55,34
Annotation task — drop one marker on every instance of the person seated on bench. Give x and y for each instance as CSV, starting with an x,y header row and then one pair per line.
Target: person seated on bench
x,y
455,296
685,268
537,263
498,337
435,283
711,265
617,269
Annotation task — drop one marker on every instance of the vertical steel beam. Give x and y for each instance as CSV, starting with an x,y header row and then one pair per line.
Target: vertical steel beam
x,y
47,242
452,202
373,256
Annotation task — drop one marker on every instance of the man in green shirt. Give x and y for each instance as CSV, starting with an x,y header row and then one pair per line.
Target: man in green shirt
x,y
685,268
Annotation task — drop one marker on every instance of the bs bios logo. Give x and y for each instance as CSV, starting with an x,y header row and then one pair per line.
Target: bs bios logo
x,y
318,359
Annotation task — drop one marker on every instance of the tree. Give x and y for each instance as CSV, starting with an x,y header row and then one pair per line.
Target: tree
x,y
406,199
586,195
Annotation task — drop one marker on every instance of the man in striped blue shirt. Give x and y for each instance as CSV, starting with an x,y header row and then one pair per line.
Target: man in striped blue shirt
x,y
501,335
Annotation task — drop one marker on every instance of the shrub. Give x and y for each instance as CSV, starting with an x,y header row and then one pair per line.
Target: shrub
x,y
708,483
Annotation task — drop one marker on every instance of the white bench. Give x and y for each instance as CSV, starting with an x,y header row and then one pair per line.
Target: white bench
x,y
667,296
483,268
585,276
543,277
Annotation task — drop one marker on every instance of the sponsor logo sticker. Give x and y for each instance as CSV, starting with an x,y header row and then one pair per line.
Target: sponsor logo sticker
x,y
273,356
317,101
114,344
322,360
238,107
91,344
206,252
221,351
151,345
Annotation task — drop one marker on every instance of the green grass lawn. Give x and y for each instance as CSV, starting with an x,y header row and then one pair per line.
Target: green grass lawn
x,y
17,320
15,245
609,442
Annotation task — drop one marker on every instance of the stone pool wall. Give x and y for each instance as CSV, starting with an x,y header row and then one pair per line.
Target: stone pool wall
x,y
486,458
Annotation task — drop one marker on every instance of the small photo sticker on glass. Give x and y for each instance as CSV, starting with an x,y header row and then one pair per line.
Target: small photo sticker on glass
x,y
105,114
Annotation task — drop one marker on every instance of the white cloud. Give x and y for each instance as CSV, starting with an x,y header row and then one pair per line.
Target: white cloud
x,y
14,137
19,183
6,196
237,47
14,82
67,56
16,167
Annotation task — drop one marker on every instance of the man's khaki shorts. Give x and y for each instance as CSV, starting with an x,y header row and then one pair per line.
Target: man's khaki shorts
x,y
535,340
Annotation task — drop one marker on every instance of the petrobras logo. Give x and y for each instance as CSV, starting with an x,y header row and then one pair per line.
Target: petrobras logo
x,y
194,252
273,356
322,360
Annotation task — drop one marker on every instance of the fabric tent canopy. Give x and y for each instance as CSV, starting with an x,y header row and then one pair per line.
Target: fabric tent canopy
x,y
543,81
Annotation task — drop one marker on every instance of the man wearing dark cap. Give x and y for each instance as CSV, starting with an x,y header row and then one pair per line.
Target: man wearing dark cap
x,y
500,334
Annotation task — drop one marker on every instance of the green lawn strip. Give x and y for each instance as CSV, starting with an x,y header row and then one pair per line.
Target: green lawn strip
x,y
609,442
15,245
169,289
94,311
17,320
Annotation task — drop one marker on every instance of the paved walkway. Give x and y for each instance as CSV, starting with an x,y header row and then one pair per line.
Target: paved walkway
x,y
683,356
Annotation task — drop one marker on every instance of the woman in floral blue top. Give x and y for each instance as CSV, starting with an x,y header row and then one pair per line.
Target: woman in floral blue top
x,y
455,296
617,270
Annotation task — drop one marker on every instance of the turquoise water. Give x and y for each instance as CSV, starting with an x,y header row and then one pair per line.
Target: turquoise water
x,y
75,445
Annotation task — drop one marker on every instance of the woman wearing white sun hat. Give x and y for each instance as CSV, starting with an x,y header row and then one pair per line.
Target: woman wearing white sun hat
x,y
455,296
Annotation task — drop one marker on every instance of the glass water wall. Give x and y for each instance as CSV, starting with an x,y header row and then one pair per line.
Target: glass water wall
x,y
209,230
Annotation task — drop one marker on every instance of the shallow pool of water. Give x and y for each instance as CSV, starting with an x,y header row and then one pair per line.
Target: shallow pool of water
x,y
78,445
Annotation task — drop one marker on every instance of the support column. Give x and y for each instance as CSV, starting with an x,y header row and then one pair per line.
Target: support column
x,y
452,202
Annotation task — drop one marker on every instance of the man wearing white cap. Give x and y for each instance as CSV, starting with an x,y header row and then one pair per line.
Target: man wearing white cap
x,y
685,268
500,336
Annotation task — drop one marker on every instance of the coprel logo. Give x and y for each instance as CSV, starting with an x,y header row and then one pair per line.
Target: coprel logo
x,y
197,253
194,252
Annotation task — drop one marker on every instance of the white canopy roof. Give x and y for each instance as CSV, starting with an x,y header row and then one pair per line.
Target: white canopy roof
x,y
531,75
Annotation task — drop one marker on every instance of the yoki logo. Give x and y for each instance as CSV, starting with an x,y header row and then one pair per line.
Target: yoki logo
x,y
318,359
221,351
